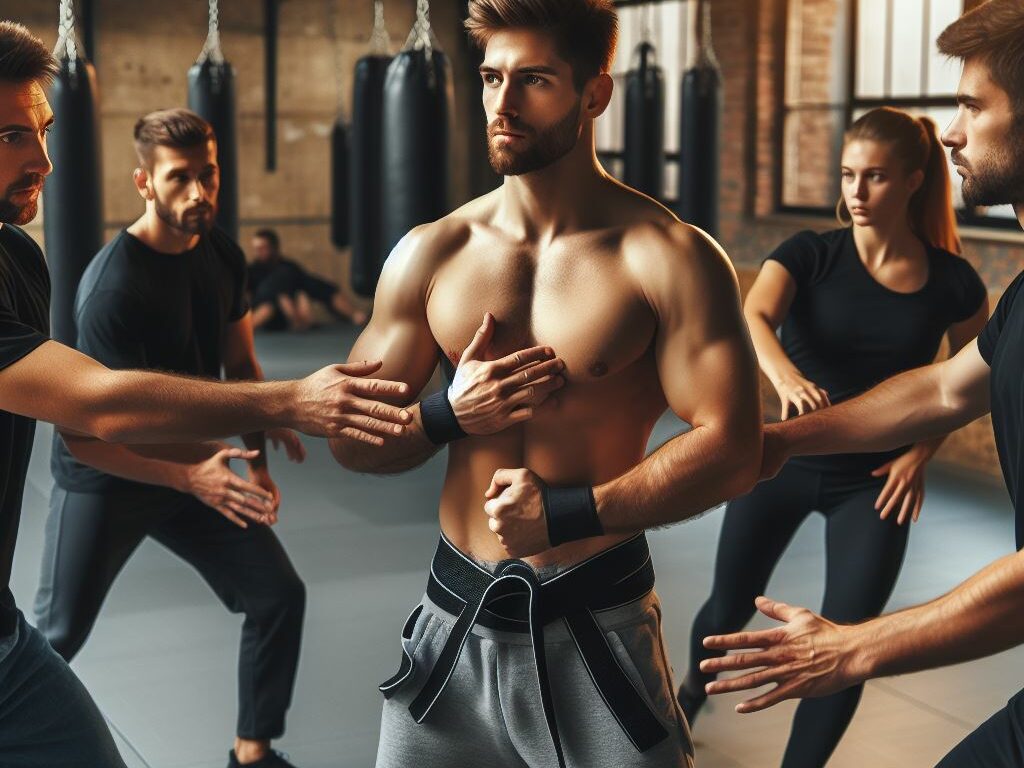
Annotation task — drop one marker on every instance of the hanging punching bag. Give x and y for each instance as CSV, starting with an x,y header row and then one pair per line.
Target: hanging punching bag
x,y
366,196
415,152
211,94
699,125
73,195
644,153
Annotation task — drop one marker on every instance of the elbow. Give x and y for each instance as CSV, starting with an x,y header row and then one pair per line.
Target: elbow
x,y
744,464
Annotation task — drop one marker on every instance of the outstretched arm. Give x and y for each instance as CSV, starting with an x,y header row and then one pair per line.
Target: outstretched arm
x,y
811,656
58,384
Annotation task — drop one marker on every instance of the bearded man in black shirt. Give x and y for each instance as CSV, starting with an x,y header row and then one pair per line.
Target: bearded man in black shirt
x,y
811,656
169,293
46,715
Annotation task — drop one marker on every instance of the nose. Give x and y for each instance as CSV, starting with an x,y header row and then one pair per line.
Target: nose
x,y
39,161
953,136
860,189
505,104
195,189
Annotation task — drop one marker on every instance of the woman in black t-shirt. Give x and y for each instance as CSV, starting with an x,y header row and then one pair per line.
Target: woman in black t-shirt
x,y
856,305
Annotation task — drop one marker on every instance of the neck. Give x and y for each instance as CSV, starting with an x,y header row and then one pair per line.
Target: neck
x,y
161,236
877,244
558,198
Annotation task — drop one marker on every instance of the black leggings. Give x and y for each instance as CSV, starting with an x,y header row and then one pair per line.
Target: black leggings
x,y
864,555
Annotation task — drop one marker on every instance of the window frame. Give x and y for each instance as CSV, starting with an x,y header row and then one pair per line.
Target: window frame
x,y
966,216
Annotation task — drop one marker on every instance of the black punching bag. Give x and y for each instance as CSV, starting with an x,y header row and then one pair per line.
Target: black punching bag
x,y
339,185
211,94
365,195
73,195
415,152
644,154
699,127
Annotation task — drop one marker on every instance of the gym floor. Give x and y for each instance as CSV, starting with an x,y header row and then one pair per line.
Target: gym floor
x,y
161,661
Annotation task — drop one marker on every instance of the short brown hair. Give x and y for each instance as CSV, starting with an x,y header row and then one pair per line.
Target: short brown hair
x,y
585,31
177,128
993,33
23,57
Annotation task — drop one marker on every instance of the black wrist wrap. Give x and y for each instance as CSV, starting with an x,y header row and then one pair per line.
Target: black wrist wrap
x,y
571,514
438,417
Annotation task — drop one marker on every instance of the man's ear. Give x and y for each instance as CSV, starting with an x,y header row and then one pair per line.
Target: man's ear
x,y
141,178
597,94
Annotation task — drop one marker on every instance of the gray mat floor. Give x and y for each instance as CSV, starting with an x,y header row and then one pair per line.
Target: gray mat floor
x,y
161,661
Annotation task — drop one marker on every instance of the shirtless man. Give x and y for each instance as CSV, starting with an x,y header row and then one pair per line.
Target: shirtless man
x,y
41,379
542,556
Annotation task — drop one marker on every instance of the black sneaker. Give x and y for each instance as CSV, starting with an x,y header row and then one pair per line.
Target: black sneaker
x,y
691,703
273,759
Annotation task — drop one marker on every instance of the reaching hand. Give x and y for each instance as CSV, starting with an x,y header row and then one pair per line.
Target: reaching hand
x,y
515,507
488,396
260,475
802,395
807,656
213,483
337,401
904,487
292,443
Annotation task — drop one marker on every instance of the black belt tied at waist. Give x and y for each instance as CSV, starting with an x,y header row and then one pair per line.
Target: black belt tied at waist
x,y
514,599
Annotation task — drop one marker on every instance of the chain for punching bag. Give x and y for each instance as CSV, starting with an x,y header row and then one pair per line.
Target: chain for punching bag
x,y
211,94
366,142
644,134
417,105
73,195
699,125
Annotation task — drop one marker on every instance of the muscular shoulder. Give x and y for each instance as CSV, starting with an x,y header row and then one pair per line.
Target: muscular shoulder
x,y
413,262
675,263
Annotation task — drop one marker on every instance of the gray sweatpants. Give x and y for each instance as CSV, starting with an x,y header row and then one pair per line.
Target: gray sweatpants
x,y
490,713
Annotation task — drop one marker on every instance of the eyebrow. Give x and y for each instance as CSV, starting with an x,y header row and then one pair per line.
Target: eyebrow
x,y
966,98
19,128
534,70
870,168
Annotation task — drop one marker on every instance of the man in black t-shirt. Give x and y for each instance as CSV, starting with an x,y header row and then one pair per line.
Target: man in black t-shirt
x,y
810,656
282,291
169,293
46,716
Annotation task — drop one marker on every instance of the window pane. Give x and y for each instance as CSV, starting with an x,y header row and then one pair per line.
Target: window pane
x,y
811,142
871,32
943,73
906,47
816,52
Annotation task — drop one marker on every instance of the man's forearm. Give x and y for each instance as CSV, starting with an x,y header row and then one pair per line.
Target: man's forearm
x,y
157,407
906,409
399,454
689,475
249,370
980,617
164,465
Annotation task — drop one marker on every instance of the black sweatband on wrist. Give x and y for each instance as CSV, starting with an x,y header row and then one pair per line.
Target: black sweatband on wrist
x,y
439,421
571,514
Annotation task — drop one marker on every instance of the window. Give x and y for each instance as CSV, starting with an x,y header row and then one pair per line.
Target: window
x,y
664,24
844,57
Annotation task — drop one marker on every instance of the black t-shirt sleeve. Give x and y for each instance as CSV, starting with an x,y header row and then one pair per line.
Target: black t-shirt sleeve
x,y
16,339
989,336
108,330
969,291
800,255
234,258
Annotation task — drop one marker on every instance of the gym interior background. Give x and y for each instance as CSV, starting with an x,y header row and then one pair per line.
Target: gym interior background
x,y
794,72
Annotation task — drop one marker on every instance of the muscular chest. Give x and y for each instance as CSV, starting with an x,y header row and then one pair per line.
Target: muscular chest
x,y
584,306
